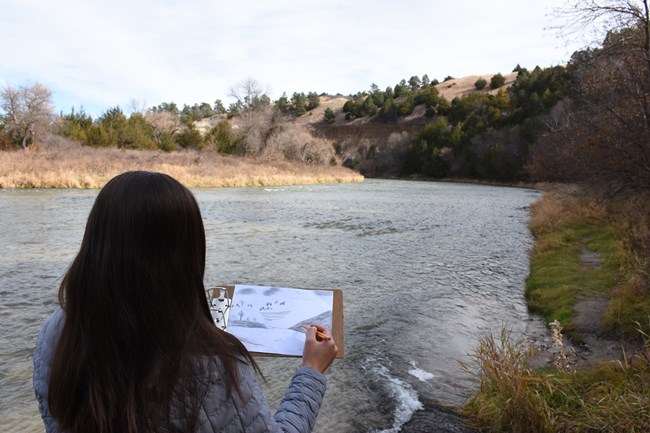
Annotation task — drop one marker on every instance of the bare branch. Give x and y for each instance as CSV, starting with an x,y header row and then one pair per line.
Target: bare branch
x,y
27,112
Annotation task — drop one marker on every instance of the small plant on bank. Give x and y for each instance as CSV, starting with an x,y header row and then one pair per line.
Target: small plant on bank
x,y
561,360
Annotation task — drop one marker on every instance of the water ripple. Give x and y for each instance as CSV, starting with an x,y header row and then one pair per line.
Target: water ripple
x,y
426,270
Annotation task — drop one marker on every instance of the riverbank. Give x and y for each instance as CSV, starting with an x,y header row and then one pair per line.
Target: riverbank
x,y
588,279
67,165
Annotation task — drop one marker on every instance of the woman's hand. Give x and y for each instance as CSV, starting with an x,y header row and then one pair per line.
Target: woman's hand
x,y
318,353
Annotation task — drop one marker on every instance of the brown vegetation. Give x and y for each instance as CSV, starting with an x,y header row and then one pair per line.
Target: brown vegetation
x,y
609,397
459,87
63,164
601,136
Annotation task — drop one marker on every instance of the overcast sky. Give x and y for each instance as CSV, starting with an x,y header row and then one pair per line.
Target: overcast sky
x,y
101,54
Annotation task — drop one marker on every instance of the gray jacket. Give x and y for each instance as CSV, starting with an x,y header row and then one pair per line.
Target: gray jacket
x,y
220,412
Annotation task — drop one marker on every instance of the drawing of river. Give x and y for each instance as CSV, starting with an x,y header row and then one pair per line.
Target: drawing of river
x,y
270,319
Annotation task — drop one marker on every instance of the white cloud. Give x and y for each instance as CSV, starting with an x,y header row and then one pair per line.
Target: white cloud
x,y
100,54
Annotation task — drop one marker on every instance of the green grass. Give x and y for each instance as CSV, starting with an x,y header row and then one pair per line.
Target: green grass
x,y
557,276
608,397
627,313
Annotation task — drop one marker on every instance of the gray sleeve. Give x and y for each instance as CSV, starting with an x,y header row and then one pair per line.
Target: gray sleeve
x,y
229,414
45,345
299,407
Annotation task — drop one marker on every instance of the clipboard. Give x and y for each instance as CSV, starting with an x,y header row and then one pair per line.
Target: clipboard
x,y
220,302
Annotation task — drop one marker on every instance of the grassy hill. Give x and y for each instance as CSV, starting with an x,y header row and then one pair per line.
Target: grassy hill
x,y
450,89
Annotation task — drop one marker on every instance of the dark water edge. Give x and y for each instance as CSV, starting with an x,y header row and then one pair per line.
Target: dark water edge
x,y
437,419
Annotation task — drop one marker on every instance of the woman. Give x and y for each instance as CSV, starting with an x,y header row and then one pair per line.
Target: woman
x,y
133,347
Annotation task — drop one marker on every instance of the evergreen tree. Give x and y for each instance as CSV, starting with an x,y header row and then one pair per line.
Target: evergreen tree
x,y
299,101
330,117
497,81
313,100
369,107
219,107
282,103
415,82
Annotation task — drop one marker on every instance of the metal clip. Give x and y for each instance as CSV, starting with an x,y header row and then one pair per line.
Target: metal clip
x,y
219,303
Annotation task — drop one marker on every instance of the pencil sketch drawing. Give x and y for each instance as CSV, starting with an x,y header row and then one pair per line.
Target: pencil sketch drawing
x,y
270,319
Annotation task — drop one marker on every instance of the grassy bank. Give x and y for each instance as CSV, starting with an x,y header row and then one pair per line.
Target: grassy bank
x,y
583,249
68,165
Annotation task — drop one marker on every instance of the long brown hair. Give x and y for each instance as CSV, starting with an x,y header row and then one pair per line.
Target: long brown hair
x,y
137,324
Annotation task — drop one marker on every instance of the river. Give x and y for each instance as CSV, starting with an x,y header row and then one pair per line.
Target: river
x,y
426,269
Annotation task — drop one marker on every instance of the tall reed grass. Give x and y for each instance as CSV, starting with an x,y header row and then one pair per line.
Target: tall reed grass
x,y
611,397
62,164
510,396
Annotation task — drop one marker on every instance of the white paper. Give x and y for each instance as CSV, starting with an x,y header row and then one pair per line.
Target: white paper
x,y
270,319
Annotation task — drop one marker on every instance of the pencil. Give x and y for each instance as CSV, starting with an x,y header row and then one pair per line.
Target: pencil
x,y
320,334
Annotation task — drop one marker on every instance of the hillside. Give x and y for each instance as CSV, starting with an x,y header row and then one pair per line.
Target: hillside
x,y
370,146
450,89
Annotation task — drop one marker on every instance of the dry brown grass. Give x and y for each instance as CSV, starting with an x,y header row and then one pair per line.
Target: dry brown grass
x,y
511,395
557,209
459,87
608,397
66,165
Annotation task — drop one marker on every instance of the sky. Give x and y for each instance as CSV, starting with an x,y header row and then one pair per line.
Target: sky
x,y
140,53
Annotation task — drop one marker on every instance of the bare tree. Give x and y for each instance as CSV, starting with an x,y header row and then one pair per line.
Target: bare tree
x,y
254,112
599,17
603,137
27,112
164,124
250,94
137,106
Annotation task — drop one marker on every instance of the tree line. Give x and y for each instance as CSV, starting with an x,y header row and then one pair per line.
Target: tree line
x,y
584,121
251,126
587,121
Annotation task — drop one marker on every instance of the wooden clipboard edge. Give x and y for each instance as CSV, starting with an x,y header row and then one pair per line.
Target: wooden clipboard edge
x,y
337,320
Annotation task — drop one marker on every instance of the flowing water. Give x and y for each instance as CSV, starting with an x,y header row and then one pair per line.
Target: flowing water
x,y
426,268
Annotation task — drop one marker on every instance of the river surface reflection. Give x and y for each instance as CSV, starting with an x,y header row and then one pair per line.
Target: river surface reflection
x,y
426,269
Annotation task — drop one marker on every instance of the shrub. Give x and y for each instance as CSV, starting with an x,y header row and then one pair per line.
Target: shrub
x,y
313,100
329,115
480,83
190,137
497,81
294,142
223,138
166,142
5,139
97,136
406,108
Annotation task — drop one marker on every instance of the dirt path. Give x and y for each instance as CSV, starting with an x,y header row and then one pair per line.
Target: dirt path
x,y
596,347
589,318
